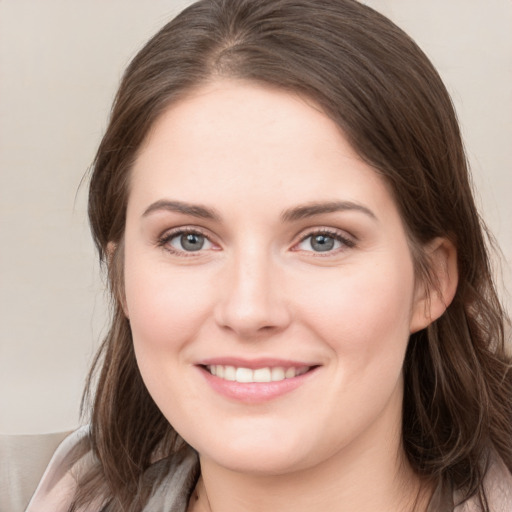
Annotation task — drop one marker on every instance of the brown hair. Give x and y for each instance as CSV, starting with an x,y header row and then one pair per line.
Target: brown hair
x,y
379,87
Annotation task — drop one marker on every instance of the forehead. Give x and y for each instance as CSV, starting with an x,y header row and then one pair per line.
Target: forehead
x,y
233,139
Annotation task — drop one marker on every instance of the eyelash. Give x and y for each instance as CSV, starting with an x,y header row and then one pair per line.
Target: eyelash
x,y
164,240
346,242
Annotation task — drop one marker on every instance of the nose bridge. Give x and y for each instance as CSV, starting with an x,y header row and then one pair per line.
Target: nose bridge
x,y
253,301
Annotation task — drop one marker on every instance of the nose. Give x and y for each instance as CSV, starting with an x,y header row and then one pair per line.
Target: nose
x,y
253,299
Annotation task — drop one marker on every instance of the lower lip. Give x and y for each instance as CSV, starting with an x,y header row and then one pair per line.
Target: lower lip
x,y
255,392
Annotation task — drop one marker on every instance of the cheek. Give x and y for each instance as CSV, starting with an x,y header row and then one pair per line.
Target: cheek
x,y
363,312
363,317
167,312
165,308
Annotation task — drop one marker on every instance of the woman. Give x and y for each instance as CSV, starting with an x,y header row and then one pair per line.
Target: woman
x,y
304,314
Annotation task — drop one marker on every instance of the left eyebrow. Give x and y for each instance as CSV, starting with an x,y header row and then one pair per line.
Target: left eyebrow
x,y
312,209
195,210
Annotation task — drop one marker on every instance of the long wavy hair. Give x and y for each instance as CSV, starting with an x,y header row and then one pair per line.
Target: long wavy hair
x,y
371,79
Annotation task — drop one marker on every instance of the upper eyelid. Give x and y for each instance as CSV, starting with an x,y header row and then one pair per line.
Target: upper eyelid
x,y
172,232
346,239
168,234
326,230
313,231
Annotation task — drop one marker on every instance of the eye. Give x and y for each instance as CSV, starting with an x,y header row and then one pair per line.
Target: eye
x,y
324,241
185,241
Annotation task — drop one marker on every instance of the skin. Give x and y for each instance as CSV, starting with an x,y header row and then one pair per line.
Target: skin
x,y
258,289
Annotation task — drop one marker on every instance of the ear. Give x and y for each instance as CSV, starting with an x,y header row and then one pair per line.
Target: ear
x,y
433,297
114,253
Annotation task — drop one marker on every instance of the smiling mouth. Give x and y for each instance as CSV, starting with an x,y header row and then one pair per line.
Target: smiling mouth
x,y
249,375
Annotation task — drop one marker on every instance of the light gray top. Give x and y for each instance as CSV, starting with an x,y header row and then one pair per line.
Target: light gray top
x,y
57,486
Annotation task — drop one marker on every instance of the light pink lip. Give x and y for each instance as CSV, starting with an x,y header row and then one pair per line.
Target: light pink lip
x,y
255,392
254,364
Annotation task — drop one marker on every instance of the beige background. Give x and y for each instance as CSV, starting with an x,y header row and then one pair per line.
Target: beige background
x,y
60,62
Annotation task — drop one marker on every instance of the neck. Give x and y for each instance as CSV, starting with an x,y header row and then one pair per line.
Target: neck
x,y
360,478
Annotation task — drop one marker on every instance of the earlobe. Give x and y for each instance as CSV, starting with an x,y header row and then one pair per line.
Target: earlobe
x,y
433,297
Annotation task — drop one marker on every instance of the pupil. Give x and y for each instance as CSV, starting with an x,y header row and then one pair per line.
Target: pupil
x,y
322,243
192,242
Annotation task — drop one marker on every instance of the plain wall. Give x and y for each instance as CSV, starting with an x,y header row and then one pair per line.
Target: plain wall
x,y
60,63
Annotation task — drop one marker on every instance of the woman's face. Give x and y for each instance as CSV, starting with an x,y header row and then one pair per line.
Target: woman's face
x,y
269,283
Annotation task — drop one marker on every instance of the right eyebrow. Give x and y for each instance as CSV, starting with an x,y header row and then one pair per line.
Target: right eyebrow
x,y
195,210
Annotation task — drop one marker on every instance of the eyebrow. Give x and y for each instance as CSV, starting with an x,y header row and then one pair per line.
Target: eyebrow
x,y
312,209
289,215
195,210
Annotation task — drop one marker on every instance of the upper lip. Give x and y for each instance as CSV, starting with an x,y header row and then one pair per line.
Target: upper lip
x,y
254,364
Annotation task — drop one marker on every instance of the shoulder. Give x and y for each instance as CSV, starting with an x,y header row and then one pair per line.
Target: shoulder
x,y
57,486
173,478
498,489
498,486
177,478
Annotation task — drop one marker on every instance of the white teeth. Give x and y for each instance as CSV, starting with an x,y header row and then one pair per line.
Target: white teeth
x,y
229,373
266,374
278,374
290,372
262,375
244,375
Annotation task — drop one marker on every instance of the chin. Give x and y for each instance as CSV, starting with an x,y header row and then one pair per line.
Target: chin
x,y
260,462
258,455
